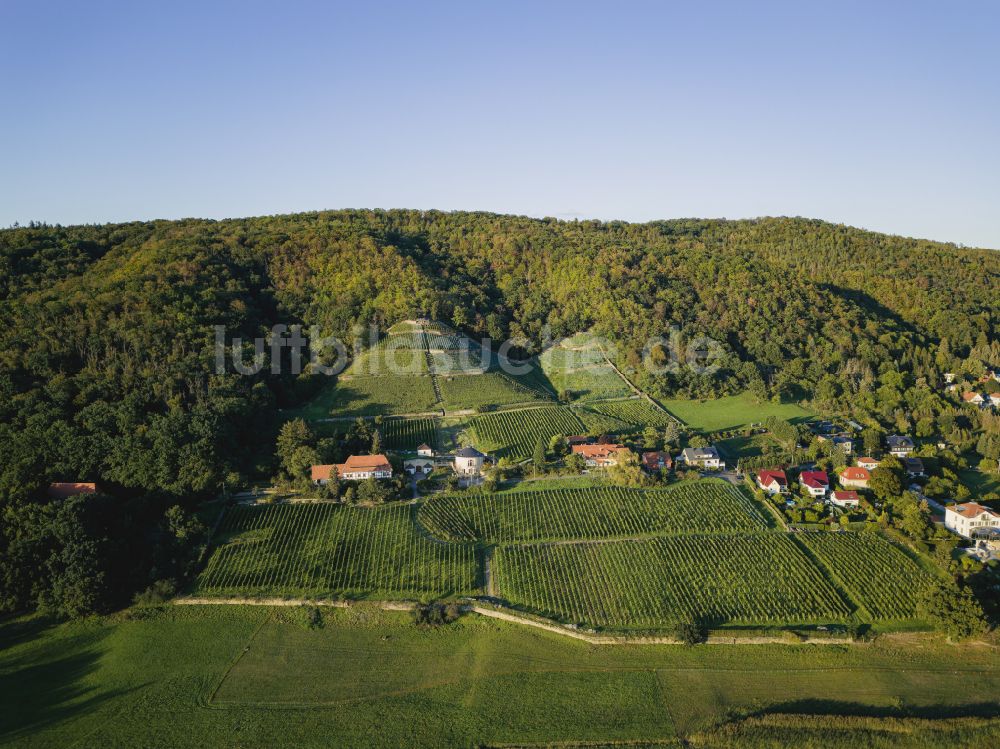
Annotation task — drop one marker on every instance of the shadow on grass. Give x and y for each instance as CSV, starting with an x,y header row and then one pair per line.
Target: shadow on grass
x,y
860,709
47,684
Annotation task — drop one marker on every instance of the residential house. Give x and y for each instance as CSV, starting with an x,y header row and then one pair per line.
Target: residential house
x,y
869,464
973,399
355,468
772,481
425,451
855,477
914,467
418,466
845,498
63,490
600,456
816,482
899,445
705,457
949,377
995,400
655,461
971,520
469,461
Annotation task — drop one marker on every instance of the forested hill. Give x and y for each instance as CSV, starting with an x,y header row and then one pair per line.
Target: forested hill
x,y
107,330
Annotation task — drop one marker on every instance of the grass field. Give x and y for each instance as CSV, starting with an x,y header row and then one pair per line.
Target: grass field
x,y
514,433
731,411
256,677
322,550
596,513
721,580
577,365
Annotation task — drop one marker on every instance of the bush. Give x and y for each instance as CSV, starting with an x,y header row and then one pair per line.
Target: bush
x,y
159,592
436,614
690,632
953,610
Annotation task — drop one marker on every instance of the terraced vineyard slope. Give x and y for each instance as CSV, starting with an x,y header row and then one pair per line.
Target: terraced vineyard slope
x,y
514,433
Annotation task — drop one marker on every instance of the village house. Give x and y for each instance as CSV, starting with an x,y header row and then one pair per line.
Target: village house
x,y
855,477
899,445
705,457
425,451
601,456
869,464
469,461
578,439
971,520
995,400
772,481
63,490
816,482
655,461
973,399
843,441
355,468
845,498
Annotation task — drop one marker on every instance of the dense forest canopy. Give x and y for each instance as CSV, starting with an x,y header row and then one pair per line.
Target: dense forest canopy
x,y
106,371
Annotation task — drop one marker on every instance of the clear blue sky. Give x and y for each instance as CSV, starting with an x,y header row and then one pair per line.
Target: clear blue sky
x,y
883,117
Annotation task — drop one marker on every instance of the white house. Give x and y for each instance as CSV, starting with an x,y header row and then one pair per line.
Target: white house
x,y
845,499
971,520
816,482
899,445
973,399
600,456
355,468
419,466
425,451
706,457
772,482
469,461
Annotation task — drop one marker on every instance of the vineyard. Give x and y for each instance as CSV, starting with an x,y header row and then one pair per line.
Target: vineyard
x,y
739,579
514,433
599,423
591,513
592,382
387,394
876,574
399,354
636,411
321,550
491,388
408,434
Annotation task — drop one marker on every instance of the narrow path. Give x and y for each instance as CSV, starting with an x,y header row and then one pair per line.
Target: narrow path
x,y
488,584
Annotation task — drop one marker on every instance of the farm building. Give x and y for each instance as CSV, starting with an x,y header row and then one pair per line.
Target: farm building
x,y
600,456
355,468
971,520
772,481
706,457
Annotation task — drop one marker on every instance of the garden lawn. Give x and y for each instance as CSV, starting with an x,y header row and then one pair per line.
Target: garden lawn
x,y
731,412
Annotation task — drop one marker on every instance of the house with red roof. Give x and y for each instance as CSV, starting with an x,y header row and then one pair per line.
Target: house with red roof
x,y
65,489
816,482
772,481
973,399
655,461
600,456
845,498
855,477
355,468
869,464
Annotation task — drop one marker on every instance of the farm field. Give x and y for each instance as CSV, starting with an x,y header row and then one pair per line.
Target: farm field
x,y
747,579
256,677
731,411
876,574
594,513
322,550
491,388
514,433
